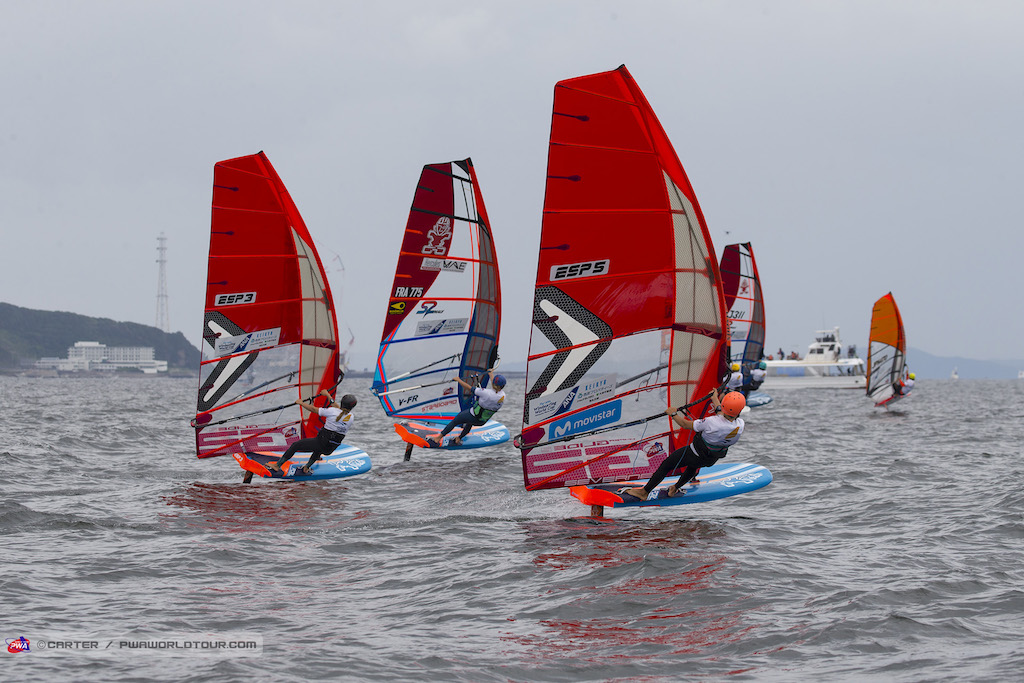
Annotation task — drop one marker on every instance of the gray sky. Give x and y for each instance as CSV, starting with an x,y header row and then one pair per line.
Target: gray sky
x,y
860,146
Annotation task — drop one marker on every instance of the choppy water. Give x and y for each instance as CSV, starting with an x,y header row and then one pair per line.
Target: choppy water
x,y
889,547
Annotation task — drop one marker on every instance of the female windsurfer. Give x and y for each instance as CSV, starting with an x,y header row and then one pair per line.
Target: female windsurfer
x,y
337,417
710,444
488,402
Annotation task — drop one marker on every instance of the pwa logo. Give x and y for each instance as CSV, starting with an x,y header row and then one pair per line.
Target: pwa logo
x,y
18,645
585,269
437,238
653,448
604,414
428,307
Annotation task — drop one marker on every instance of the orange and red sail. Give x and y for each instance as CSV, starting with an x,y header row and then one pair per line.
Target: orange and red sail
x,y
887,351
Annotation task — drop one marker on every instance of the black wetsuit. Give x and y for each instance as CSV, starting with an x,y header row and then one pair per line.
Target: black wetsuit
x,y
324,443
468,419
694,456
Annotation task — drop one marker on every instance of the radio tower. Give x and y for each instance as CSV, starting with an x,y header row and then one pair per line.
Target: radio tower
x,y
162,320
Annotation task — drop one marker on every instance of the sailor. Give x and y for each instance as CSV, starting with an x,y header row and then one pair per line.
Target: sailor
x,y
488,402
753,382
904,387
735,380
711,442
337,418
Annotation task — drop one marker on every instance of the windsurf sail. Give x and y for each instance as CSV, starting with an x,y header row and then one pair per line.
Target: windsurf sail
x,y
887,351
745,303
629,313
444,312
269,332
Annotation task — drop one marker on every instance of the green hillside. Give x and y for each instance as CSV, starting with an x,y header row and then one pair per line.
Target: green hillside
x,y
27,335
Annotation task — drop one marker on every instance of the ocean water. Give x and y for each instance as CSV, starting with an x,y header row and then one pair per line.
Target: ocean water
x,y
890,546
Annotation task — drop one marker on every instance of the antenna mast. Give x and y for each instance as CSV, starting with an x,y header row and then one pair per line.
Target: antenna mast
x,y
162,319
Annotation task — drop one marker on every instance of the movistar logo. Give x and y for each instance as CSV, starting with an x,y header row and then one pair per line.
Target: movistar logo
x,y
604,414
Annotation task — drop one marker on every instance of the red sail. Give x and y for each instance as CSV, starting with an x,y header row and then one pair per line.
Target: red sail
x,y
444,312
628,308
269,333
744,302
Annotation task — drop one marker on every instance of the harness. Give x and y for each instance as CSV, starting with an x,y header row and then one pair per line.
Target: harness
x,y
481,413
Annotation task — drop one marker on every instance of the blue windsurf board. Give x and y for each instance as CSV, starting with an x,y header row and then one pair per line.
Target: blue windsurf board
x,y
345,461
718,481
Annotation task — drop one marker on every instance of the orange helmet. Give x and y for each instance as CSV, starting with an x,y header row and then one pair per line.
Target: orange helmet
x,y
733,403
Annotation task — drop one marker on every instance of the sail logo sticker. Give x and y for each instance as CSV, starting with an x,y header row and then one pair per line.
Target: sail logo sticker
x,y
574,270
605,414
446,326
447,265
408,292
234,299
745,478
438,238
253,341
428,307
586,393
397,308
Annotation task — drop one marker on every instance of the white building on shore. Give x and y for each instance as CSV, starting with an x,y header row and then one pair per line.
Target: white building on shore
x,y
90,356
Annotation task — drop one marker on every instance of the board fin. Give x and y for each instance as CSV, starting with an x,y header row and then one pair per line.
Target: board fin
x,y
589,496
402,429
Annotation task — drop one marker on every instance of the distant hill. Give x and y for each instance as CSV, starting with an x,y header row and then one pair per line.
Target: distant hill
x,y
925,365
27,335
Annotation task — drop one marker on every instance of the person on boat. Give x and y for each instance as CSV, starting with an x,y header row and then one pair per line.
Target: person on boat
x,y
782,354
337,418
753,381
904,387
488,401
714,435
735,381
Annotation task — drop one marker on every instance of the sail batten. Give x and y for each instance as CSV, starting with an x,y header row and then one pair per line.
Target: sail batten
x,y
628,311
